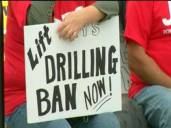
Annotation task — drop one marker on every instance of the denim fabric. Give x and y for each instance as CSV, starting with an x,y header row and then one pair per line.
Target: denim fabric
x,y
105,120
156,103
19,120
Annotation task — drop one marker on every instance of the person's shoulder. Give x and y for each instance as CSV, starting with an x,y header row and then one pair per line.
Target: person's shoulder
x,y
18,3
18,10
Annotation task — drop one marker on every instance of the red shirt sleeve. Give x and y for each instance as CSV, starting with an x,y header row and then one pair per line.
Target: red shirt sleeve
x,y
19,10
90,2
139,16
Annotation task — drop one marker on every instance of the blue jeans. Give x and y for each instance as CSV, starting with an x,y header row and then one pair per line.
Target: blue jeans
x,y
105,120
156,103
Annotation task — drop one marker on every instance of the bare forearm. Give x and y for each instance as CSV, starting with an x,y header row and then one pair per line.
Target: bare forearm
x,y
91,14
75,21
146,68
103,10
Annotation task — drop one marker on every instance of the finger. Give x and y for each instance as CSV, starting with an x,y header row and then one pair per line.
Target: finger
x,y
74,35
61,26
69,34
65,32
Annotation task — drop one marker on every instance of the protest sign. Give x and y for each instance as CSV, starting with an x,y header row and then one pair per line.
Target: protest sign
x,y
70,79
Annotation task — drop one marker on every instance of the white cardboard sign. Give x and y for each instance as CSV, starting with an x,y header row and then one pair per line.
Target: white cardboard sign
x,y
70,79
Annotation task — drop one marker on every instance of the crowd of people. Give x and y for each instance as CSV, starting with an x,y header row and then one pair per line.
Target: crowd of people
x,y
148,36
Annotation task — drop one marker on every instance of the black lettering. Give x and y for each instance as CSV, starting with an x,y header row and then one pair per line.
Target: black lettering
x,y
95,30
87,98
49,62
70,96
112,61
60,66
92,61
100,61
41,41
76,74
84,30
94,93
33,61
46,30
69,66
56,99
41,100
110,85
101,86
38,48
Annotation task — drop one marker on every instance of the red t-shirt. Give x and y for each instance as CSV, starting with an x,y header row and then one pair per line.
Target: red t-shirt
x,y
146,26
14,67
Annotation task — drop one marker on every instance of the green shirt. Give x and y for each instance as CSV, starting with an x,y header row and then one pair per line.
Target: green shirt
x,y
110,8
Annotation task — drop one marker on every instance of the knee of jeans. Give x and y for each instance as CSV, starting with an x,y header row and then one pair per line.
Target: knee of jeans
x,y
110,118
165,117
165,99
164,106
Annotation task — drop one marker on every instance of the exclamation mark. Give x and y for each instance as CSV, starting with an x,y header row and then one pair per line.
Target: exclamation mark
x,y
110,86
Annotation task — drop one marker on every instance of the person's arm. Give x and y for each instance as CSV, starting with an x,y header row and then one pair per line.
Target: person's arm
x,y
145,67
139,25
75,21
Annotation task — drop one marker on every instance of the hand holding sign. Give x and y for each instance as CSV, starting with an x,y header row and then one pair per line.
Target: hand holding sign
x,y
74,21
72,79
